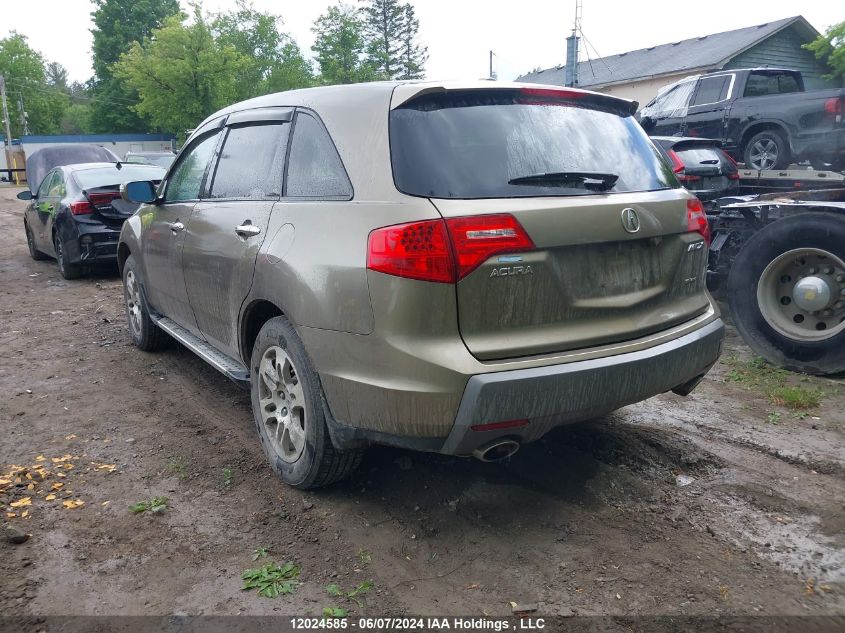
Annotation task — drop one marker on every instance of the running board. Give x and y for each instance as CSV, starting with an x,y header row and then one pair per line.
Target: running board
x,y
224,364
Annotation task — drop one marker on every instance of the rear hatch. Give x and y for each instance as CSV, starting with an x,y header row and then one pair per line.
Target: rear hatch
x,y
610,255
702,167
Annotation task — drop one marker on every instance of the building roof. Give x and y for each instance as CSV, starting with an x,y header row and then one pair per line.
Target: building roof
x,y
695,54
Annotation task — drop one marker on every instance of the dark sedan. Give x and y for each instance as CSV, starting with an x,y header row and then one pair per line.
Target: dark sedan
x,y
77,212
701,165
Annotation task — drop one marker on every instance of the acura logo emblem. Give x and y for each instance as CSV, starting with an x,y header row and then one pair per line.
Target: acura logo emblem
x,y
630,220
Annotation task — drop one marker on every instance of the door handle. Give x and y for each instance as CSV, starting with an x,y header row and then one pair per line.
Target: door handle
x,y
247,229
176,226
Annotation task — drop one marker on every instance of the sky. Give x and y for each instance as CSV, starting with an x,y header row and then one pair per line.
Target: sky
x,y
459,33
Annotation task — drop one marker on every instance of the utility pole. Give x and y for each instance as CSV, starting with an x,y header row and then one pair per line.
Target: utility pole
x,y
5,111
24,118
572,42
492,74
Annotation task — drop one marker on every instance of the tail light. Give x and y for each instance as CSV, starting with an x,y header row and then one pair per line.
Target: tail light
x,y
444,251
678,167
835,106
81,207
734,175
103,197
697,219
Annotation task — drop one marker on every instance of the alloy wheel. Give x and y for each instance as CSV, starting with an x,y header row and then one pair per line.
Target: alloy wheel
x,y
764,154
133,303
282,404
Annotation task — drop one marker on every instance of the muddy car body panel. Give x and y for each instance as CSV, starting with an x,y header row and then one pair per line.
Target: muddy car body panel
x,y
606,306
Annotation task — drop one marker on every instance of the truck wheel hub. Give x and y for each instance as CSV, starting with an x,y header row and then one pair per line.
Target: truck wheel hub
x,y
811,294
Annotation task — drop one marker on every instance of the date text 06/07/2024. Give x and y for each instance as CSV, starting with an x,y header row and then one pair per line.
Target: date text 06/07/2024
x,y
470,624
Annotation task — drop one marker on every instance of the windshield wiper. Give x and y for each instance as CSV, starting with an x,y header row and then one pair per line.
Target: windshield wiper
x,y
593,180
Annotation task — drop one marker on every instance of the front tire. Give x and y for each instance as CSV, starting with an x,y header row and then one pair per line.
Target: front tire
x,y
145,334
66,268
766,150
786,291
288,408
30,243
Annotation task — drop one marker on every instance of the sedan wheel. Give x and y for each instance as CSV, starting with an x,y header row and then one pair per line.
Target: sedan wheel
x,y
66,269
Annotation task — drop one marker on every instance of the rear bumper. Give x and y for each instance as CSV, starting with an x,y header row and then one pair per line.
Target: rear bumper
x,y
559,394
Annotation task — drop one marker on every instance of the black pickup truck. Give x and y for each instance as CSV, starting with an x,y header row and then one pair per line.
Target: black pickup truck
x,y
762,116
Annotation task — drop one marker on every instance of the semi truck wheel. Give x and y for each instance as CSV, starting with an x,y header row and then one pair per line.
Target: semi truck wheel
x,y
786,291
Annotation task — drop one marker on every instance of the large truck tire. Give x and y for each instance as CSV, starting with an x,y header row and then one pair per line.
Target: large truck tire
x,y
786,291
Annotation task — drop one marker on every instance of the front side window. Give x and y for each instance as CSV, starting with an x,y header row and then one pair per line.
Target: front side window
x,y
314,167
250,165
57,187
501,144
671,100
185,181
46,185
712,90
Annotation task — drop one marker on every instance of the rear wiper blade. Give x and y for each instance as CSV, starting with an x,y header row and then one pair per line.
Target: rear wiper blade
x,y
594,180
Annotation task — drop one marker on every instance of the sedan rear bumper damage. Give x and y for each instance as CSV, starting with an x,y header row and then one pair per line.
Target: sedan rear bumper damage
x,y
539,399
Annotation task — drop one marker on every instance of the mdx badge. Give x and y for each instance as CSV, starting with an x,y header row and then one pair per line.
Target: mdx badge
x,y
630,220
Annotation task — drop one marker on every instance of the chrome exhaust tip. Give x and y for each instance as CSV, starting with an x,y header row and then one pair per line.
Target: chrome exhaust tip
x,y
496,450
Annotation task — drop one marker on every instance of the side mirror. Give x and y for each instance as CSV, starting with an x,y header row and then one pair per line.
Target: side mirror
x,y
139,192
25,195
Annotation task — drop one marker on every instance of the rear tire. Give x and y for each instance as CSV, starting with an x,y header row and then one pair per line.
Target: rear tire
x,y
766,150
145,334
761,293
288,409
66,269
30,243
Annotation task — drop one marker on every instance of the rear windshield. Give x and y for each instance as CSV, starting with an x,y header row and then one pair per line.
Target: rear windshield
x,y
700,156
474,144
102,176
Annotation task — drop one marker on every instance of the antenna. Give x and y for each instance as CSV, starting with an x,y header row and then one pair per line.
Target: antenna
x,y
572,46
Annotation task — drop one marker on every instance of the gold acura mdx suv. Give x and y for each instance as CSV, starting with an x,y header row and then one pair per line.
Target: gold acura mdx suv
x,y
445,267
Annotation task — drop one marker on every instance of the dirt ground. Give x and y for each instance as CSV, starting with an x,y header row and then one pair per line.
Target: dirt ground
x,y
725,502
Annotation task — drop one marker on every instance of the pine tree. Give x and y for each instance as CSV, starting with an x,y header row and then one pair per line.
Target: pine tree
x,y
413,55
383,27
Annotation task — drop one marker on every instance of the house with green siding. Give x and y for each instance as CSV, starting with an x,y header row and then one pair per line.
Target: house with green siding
x,y
639,74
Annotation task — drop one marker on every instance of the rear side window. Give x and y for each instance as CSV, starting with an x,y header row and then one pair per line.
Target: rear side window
x,y
712,90
250,165
185,181
760,84
314,167
501,144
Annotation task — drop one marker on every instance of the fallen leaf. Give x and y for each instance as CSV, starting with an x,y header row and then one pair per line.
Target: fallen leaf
x,y
25,513
70,504
56,485
11,515
25,501
30,487
40,458
105,503
72,436
107,467
50,497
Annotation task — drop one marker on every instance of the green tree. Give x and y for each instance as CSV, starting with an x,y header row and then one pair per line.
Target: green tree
x,y
26,81
412,55
831,47
340,47
76,119
383,26
117,24
56,75
274,59
181,73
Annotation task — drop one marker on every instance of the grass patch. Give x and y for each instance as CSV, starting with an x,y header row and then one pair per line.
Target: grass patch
x,y
179,467
352,594
758,375
796,396
271,580
154,505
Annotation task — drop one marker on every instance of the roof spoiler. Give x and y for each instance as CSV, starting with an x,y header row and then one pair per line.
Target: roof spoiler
x,y
531,93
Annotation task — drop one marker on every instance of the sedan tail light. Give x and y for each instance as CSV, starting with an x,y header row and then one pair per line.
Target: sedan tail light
x,y
697,219
444,251
81,207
